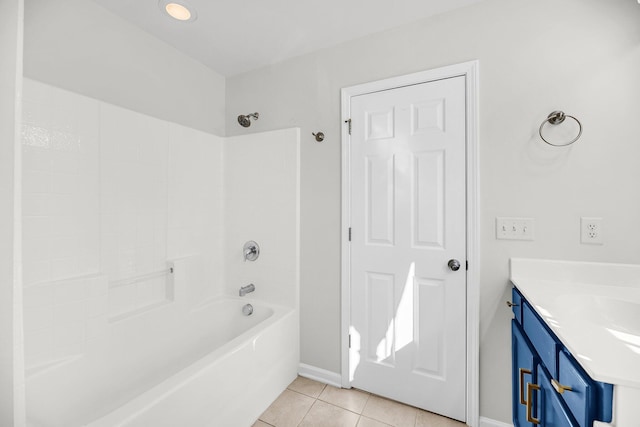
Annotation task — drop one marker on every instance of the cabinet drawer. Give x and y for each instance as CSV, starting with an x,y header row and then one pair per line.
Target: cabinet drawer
x,y
542,339
516,299
581,398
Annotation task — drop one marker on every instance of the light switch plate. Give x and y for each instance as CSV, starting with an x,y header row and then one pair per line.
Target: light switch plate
x,y
515,228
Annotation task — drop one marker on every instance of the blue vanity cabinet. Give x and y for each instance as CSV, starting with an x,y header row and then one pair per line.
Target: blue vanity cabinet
x,y
550,388
533,399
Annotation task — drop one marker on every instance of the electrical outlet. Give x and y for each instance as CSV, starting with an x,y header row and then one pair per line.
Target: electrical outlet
x,y
591,231
514,228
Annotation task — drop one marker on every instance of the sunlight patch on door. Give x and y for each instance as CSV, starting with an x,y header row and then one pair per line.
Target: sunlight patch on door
x,y
399,332
354,351
380,293
404,313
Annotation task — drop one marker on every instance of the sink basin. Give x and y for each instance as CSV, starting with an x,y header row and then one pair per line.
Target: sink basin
x,y
608,312
623,315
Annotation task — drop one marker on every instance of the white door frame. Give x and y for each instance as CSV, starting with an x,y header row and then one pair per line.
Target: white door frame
x,y
470,72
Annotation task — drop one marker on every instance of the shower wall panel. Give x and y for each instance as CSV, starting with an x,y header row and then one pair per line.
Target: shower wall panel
x,y
133,208
61,184
111,197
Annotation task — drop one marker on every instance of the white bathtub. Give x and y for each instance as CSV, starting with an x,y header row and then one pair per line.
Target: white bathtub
x,y
212,366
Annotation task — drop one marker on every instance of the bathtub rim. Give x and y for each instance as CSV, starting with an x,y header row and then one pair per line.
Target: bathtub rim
x,y
126,413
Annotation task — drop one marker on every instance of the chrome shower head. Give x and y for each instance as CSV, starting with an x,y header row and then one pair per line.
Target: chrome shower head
x,y
245,121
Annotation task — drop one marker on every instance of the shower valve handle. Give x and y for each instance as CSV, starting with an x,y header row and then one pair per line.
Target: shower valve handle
x,y
251,251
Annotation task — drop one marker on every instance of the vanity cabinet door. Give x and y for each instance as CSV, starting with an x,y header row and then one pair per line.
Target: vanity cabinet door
x,y
523,363
576,389
552,411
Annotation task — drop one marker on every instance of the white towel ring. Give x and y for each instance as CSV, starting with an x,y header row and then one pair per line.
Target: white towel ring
x,y
555,118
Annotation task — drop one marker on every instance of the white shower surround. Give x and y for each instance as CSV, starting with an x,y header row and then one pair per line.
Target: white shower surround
x,y
111,195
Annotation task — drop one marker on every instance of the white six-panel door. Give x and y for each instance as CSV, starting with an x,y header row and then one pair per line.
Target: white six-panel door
x,y
408,216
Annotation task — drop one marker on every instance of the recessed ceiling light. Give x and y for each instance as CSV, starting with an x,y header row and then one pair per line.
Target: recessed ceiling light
x,y
178,10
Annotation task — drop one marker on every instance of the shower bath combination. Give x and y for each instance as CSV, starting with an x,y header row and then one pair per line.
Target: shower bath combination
x,y
245,121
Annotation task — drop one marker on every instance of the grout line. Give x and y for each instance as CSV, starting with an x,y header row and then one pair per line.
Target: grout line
x,y
308,410
360,415
365,403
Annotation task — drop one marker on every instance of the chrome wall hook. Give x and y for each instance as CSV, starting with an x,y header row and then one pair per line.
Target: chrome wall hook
x,y
319,136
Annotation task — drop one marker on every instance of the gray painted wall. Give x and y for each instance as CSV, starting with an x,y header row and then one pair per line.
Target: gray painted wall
x,y
581,56
80,46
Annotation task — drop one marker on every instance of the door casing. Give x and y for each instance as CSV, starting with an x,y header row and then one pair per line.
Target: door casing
x,y
470,72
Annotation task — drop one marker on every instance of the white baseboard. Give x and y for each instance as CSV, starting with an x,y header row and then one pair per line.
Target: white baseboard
x,y
321,375
488,422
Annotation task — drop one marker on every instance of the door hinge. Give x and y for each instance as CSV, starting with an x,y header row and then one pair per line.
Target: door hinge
x,y
349,233
467,265
349,340
348,122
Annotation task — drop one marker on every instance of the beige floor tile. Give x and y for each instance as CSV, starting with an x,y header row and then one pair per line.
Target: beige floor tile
x,y
351,399
428,419
287,410
261,424
306,386
390,412
323,414
369,422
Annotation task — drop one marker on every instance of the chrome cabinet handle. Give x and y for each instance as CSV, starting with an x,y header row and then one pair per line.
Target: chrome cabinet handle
x,y
454,264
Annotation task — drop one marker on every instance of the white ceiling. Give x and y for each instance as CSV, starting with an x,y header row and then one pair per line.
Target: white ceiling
x,y
233,36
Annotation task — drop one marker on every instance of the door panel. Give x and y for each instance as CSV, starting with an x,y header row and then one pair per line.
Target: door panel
x,y
408,219
379,293
429,339
428,199
380,197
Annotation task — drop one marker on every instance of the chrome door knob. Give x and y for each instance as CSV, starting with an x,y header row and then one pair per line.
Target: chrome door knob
x,y
454,264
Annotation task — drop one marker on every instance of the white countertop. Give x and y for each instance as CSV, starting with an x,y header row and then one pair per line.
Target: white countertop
x,y
594,308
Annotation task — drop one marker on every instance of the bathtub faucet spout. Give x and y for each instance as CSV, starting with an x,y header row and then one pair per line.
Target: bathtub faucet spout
x,y
246,289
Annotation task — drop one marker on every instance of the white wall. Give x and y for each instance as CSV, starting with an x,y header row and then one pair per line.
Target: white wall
x,y
262,203
581,56
11,353
80,46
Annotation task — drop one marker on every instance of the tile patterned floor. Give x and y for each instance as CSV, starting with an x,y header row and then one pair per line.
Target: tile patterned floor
x,y
308,403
